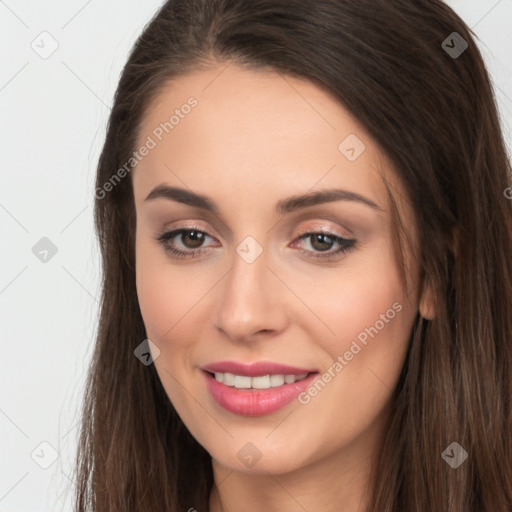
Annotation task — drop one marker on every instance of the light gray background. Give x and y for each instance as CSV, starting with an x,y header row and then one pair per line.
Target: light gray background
x,y
53,118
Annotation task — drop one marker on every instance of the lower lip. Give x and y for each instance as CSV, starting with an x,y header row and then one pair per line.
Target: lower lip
x,y
246,402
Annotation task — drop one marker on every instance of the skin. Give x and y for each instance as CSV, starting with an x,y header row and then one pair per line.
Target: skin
x,y
255,138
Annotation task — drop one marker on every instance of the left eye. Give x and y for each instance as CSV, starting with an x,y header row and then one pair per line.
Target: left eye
x,y
192,240
322,242
319,241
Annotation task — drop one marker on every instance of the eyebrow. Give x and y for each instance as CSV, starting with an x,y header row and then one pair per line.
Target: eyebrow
x,y
283,206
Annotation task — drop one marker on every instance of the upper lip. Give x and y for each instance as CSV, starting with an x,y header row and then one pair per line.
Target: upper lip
x,y
255,369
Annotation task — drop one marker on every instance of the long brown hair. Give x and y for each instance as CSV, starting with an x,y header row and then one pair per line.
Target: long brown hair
x,y
434,115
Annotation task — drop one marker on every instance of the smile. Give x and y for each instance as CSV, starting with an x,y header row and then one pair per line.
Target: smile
x,y
262,382
256,389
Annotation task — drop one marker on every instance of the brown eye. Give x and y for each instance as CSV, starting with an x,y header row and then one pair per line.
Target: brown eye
x,y
323,245
186,242
321,241
192,239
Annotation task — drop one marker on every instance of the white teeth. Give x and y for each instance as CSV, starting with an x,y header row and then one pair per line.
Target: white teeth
x,y
242,382
229,379
276,380
260,382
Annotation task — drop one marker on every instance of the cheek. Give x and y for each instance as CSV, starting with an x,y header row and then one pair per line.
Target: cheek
x,y
164,299
171,297
157,287
370,321
362,295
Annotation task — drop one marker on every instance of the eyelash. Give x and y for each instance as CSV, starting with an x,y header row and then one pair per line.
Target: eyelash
x,y
346,244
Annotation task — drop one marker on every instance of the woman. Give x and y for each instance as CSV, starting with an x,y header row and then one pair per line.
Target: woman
x,y
306,244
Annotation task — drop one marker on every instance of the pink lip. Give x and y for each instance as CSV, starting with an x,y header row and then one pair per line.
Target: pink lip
x,y
250,402
255,369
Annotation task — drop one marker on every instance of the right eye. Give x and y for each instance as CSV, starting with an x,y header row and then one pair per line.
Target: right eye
x,y
183,242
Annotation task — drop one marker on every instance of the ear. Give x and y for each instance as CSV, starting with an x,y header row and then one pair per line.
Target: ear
x,y
427,304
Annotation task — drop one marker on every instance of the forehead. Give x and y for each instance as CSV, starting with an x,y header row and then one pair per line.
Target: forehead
x,y
259,131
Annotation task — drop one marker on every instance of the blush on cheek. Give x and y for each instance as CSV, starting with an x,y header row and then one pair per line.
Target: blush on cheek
x,y
169,301
155,300
360,307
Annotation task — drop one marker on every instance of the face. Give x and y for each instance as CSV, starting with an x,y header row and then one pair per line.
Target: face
x,y
264,255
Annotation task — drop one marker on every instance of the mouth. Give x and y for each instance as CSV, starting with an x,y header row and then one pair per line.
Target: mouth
x,y
257,383
257,389
256,369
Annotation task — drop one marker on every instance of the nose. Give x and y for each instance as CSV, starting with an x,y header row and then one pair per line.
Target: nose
x,y
251,300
